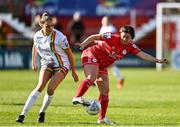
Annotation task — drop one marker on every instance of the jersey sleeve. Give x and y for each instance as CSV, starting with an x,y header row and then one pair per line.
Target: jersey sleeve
x,y
63,41
133,49
35,40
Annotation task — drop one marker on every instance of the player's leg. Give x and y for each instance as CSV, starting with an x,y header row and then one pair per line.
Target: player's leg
x,y
56,79
119,76
43,79
44,76
103,86
91,72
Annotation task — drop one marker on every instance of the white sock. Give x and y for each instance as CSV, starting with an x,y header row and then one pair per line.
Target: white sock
x,y
117,72
30,101
46,101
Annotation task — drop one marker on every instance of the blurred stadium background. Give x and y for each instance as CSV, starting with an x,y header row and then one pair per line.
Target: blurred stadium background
x,y
17,17
149,97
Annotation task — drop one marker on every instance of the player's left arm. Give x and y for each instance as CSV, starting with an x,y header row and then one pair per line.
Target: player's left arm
x,y
72,63
150,58
64,44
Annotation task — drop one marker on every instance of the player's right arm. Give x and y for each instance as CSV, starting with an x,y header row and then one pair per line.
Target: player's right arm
x,y
34,58
89,40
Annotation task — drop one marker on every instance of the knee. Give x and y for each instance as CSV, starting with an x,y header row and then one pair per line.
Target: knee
x,y
99,81
50,91
40,88
91,80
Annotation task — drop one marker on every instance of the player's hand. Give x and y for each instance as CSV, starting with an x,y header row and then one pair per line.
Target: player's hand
x,y
80,45
34,66
163,61
75,76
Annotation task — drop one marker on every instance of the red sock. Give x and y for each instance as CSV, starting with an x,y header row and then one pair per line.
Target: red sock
x,y
103,99
83,87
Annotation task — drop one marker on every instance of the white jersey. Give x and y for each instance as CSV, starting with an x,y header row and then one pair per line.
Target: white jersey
x,y
51,48
109,28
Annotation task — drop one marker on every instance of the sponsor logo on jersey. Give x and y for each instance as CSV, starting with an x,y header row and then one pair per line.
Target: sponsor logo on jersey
x,y
107,35
39,38
39,41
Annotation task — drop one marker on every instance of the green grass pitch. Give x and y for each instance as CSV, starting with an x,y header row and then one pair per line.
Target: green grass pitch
x,y
148,98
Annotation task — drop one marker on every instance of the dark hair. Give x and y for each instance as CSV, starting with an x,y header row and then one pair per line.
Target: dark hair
x,y
128,29
45,17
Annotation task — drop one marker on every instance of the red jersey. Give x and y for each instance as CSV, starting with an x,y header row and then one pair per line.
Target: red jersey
x,y
109,49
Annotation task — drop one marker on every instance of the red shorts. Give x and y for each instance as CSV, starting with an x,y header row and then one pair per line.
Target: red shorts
x,y
88,58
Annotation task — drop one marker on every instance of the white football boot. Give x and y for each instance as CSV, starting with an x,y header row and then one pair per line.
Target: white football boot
x,y
105,120
80,100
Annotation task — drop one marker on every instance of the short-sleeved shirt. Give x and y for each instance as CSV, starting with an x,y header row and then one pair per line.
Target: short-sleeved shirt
x,y
103,51
51,48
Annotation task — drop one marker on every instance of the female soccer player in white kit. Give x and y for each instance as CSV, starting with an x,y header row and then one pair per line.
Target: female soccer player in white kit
x,y
107,26
56,60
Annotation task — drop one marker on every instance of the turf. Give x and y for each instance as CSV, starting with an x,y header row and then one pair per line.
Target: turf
x,y
148,98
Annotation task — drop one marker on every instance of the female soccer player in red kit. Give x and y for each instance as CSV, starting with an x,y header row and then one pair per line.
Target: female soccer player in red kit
x,y
100,52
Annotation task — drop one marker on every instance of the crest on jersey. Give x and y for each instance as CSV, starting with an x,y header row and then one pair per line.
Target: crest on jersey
x,y
94,60
124,52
